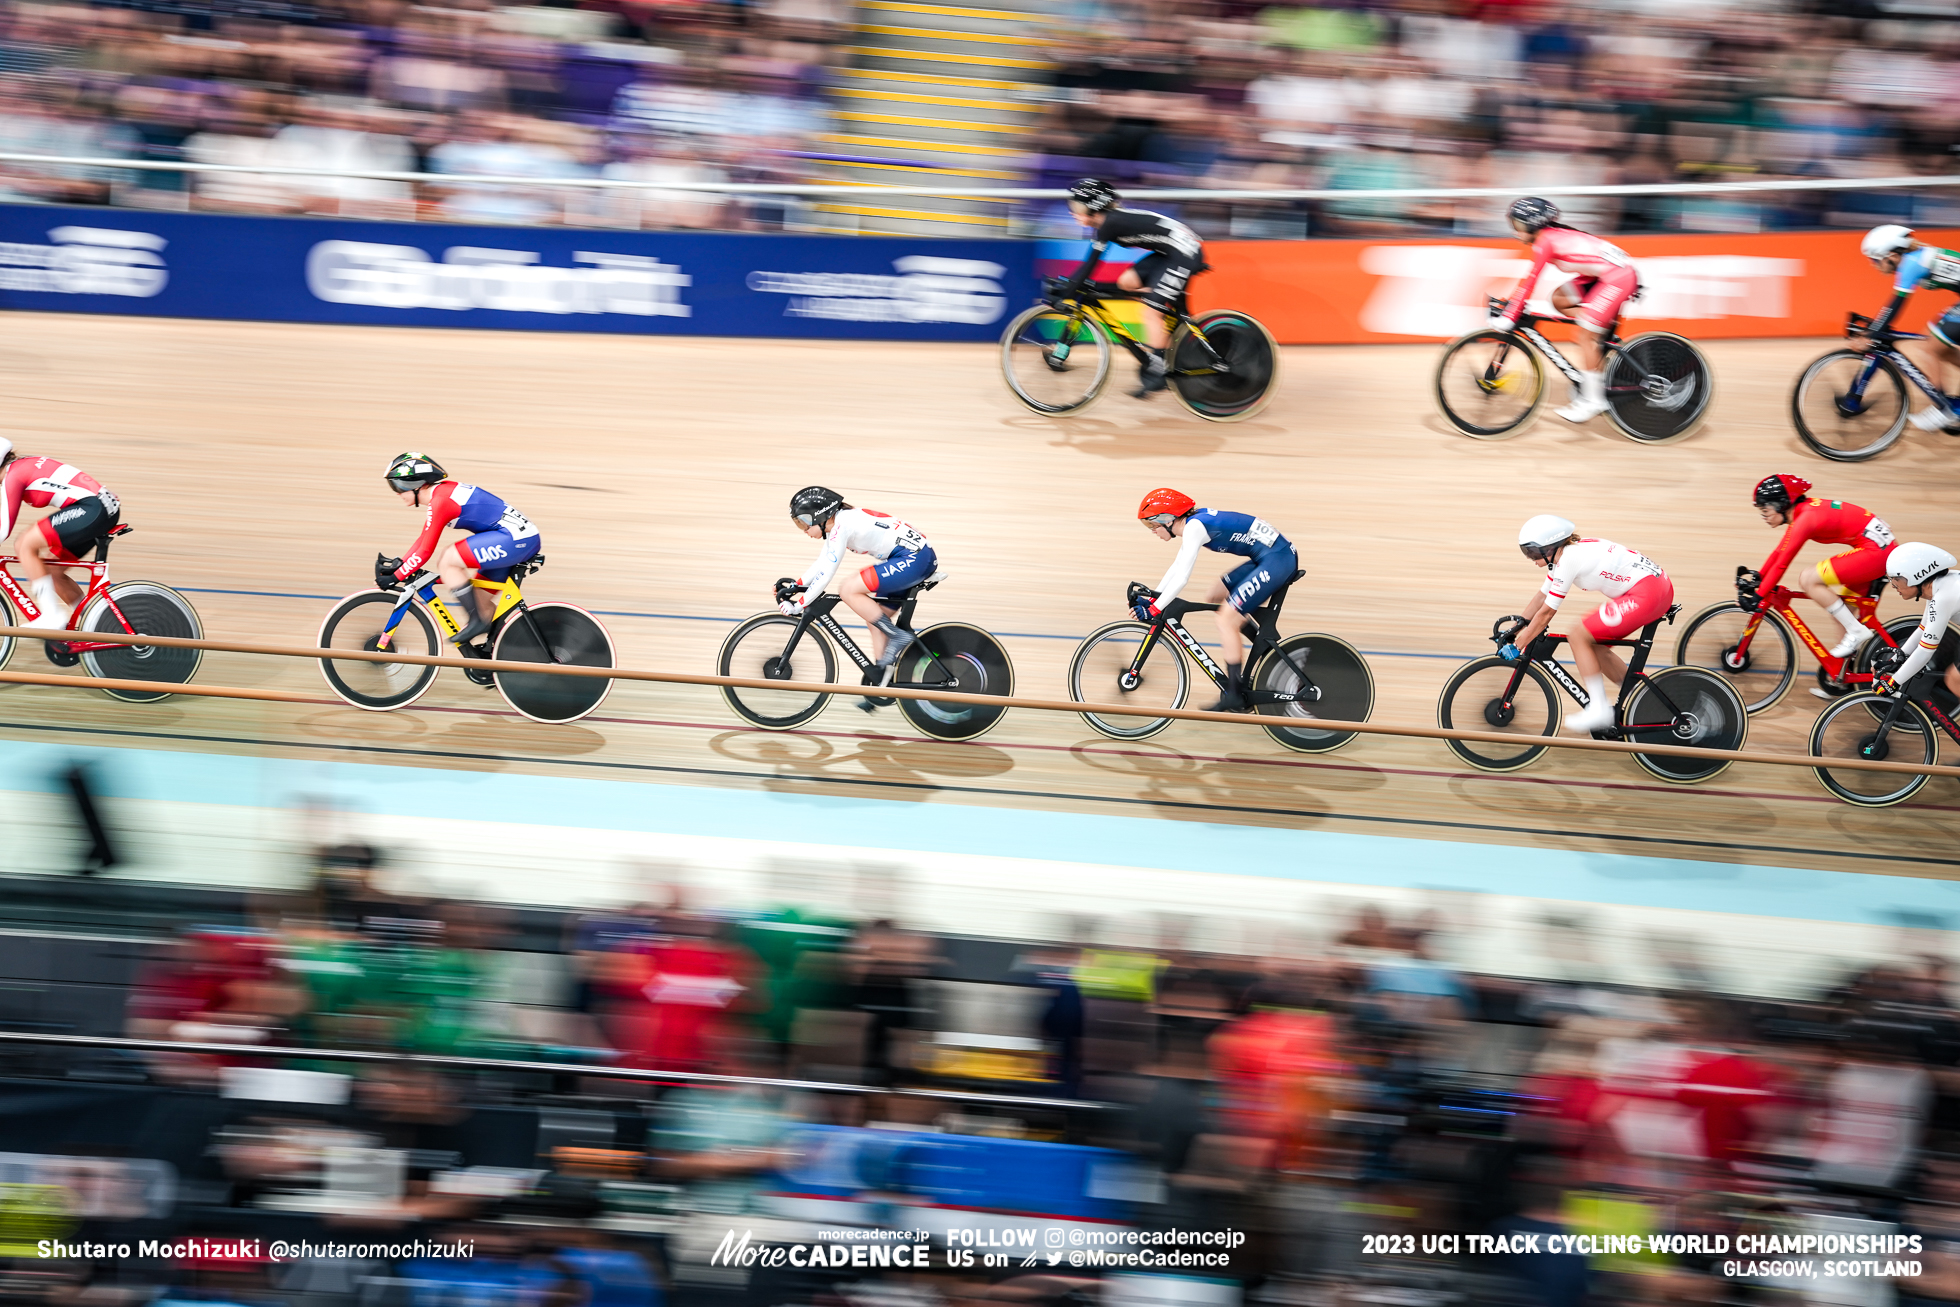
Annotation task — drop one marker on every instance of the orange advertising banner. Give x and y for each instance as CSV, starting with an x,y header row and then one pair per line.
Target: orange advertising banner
x,y
1343,292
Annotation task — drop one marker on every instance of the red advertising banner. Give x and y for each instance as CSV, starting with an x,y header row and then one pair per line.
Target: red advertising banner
x,y
1343,292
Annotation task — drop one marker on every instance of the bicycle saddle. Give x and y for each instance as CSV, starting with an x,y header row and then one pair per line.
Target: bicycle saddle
x,y
1672,609
898,597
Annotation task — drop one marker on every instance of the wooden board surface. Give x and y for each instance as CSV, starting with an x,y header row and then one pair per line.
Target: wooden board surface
x,y
248,456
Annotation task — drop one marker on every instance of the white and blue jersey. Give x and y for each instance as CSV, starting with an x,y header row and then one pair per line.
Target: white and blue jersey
x,y
1270,557
1926,267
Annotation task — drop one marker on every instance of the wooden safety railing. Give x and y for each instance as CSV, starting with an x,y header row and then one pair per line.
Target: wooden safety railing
x,y
813,687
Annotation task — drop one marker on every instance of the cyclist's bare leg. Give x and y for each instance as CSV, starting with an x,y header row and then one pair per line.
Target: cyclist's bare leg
x,y
1592,660
1952,679
1231,626
1585,344
860,601
455,574
1156,331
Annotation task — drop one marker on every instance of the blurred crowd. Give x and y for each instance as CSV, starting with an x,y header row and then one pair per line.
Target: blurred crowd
x,y
785,1071
1219,94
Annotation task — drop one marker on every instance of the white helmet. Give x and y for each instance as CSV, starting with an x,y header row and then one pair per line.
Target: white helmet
x,y
6,449
1916,563
1887,239
1541,534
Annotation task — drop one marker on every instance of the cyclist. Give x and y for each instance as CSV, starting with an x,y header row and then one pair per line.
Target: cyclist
x,y
500,537
903,560
1603,281
1270,563
1917,264
1637,592
1922,571
1175,256
84,513
1783,501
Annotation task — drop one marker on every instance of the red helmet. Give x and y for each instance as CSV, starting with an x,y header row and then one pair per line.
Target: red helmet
x,y
1166,503
1781,491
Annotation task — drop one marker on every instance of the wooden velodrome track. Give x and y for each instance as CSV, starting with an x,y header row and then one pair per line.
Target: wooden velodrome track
x,y
249,457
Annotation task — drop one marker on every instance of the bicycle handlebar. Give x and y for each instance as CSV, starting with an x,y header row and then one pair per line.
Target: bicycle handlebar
x,y
1857,324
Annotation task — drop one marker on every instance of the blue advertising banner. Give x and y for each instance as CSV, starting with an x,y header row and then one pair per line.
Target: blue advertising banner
x,y
513,278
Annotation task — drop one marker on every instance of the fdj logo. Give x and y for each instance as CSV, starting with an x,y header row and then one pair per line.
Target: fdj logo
x,y
490,553
1252,583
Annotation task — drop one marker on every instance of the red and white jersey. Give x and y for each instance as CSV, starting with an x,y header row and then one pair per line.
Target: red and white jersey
x,y
1599,565
859,531
1578,252
44,483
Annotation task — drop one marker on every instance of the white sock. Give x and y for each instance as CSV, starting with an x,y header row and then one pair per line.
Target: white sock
x,y
1595,691
1593,387
1842,612
53,611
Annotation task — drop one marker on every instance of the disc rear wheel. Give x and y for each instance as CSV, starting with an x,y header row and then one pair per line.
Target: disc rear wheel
x,y
1658,387
1329,681
561,634
1688,706
961,658
149,609
1251,370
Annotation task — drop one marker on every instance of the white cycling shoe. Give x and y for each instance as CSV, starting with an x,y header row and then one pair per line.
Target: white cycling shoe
x,y
1597,717
1852,642
1931,419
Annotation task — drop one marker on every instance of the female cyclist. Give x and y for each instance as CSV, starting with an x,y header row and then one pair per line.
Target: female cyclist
x,y
903,560
500,537
1603,281
1922,571
1637,592
1784,501
1893,250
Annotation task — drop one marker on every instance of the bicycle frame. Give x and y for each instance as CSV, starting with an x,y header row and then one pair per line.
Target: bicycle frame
x,y
1642,645
1780,600
422,586
1091,306
1885,347
98,584
1265,637
1925,701
819,615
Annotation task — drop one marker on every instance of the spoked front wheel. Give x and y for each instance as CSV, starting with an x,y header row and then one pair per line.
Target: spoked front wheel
x,y
356,623
1658,387
558,633
1132,664
1689,706
759,650
961,658
1490,385
1873,728
1055,362
1849,406
8,617
1490,694
1755,651
1251,371
149,609
1329,681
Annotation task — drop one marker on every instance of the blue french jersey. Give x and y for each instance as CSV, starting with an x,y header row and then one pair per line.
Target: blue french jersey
x,y
1241,533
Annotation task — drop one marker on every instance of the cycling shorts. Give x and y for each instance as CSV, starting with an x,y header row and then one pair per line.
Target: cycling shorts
x,y
494,552
1601,298
1949,646
1946,327
73,531
1253,582
1165,278
900,571
1854,572
1646,602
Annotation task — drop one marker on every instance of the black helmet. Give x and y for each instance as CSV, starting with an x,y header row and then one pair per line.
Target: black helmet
x,y
1532,213
413,471
1093,194
814,504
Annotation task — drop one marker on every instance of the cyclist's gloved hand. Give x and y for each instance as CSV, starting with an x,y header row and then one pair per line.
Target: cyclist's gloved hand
x,y
790,608
384,572
1885,683
1145,606
1510,653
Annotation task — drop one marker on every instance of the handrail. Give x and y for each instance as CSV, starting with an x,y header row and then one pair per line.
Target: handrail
x,y
1002,193
936,696
518,1064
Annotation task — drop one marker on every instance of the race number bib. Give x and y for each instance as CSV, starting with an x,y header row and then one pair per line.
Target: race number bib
x,y
1261,532
1878,533
517,524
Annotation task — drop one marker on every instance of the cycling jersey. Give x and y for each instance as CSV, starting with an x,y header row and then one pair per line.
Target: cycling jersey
x,y
1221,532
860,531
1599,565
1176,253
1927,268
476,510
1603,274
45,483
1830,522
1942,605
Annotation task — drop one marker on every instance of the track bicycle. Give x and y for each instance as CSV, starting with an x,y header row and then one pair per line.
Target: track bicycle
x,y
1490,384
1675,705
128,607
403,617
1851,404
951,656
1749,641
1310,682
1222,364
1876,727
